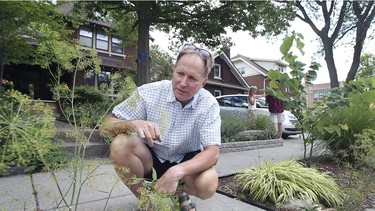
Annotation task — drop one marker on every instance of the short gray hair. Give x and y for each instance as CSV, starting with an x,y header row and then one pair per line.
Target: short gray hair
x,y
209,62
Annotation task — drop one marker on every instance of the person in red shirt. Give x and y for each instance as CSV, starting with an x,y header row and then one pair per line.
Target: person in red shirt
x,y
276,109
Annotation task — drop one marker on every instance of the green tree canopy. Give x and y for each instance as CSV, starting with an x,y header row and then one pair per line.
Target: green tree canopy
x,y
334,20
205,22
367,66
21,27
161,66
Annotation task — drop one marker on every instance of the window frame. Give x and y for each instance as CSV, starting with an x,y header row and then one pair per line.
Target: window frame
x,y
217,93
104,40
89,35
219,73
115,45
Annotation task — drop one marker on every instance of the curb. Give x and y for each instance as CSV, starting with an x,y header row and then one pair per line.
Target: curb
x,y
250,145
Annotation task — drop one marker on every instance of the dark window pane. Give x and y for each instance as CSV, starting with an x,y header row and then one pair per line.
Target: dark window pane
x,y
85,36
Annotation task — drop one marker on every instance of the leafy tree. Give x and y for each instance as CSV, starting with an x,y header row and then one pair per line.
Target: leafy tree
x,y
334,20
161,67
21,27
367,66
203,21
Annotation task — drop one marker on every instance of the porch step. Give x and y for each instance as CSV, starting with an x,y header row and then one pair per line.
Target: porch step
x,y
94,147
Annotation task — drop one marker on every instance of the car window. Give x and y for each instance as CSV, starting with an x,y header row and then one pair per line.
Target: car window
x,y
233,101
261,102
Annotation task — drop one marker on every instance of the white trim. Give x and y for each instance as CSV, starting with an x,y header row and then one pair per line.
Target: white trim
x,y
217,77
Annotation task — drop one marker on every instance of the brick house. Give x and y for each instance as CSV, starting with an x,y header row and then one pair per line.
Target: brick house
x,y
255,71
116,55
316,92
224,78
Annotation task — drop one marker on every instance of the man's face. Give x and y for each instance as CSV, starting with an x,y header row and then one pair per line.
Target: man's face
x,y
188,77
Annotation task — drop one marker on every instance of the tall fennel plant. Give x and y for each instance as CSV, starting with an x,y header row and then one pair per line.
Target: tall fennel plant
x,y
61,57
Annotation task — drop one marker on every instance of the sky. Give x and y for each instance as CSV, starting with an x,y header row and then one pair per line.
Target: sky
x,y
269,49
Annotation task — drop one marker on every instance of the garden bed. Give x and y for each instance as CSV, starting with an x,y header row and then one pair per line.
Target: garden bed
x,y
346,178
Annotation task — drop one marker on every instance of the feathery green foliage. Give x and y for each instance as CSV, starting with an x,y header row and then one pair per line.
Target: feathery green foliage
x,y
26,132
284,181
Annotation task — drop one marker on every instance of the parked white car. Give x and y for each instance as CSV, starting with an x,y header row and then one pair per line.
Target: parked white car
x,y
238,103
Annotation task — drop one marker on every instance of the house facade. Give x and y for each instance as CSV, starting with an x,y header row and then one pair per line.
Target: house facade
x,y
317,92
116,56
255,71
224,78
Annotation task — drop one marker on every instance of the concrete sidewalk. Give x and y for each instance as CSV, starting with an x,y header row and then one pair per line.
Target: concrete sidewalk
x,y
102,190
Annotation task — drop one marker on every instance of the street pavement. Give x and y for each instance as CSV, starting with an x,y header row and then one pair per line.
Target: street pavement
x,y
102,190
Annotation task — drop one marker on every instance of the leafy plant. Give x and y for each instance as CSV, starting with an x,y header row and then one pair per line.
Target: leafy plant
x,y
152,198
90,104
364,149
341,127
231,125
26,132
285,181
291,90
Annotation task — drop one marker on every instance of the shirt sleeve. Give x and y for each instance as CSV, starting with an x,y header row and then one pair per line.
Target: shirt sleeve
x,y
210,133
131,108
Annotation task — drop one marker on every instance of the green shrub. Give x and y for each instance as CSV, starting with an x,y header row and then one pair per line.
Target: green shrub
x,y
231,125
26,132
89,94
287,181
90,105
364,149
262,122
340,127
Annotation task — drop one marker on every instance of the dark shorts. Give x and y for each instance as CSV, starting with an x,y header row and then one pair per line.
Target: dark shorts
x,y
161,168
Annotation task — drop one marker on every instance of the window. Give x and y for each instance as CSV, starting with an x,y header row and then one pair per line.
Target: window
x,y
217,93
116,46
320,94
242,70
316,95
90,78
104,77
217,71
281,69
85,36
96,80
324,93
101,40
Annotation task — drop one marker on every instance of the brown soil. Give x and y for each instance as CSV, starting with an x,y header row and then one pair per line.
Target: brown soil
x,y
344,178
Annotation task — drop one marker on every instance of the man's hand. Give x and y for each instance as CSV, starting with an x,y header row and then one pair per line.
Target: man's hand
x,y
148,130
168,182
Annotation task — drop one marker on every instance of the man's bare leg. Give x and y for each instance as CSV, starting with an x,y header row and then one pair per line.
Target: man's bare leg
x,y
280,129
131,158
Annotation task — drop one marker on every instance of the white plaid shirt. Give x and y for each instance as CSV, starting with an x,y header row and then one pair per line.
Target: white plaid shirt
x,y
183,130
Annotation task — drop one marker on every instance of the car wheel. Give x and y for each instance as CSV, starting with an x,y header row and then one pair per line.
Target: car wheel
x,y
284,136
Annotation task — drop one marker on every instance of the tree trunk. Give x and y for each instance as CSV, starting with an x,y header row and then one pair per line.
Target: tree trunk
x,y
361,35
330,61
143,57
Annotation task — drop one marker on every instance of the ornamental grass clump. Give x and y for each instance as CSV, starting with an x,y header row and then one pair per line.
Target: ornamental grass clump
x,y
286,181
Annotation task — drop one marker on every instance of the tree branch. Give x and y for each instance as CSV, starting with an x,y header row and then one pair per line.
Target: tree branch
x,y
307,19
340,21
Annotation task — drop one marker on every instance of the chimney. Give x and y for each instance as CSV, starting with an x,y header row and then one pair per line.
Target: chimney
x,y
227,52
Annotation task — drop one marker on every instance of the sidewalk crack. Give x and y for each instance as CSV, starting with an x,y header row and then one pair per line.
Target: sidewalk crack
x,y
35,193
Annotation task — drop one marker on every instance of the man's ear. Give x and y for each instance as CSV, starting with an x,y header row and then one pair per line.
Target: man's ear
x,y
204,82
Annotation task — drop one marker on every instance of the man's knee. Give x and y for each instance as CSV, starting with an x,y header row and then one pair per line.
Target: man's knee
x,y
119,146
206,184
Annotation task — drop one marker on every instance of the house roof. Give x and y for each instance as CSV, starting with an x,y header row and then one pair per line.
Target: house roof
x,y
234,71
254,62
250,62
